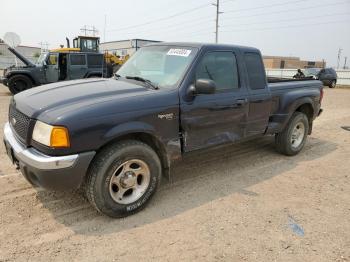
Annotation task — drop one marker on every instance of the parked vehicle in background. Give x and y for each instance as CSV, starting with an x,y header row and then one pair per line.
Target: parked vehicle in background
x,y
328,76
53,67
83,60
116,137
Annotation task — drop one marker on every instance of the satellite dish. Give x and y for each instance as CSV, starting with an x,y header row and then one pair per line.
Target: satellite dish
x,y
12,39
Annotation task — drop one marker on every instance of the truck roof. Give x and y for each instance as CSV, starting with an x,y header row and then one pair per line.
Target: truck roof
x,y
203,45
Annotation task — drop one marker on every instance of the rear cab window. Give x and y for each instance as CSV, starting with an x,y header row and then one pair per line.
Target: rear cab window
x,y
255,70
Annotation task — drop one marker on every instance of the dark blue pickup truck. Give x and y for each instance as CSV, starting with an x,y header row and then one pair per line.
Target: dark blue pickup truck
x,y
116,137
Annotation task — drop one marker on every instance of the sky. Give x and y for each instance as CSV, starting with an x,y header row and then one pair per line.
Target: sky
x,y
309,29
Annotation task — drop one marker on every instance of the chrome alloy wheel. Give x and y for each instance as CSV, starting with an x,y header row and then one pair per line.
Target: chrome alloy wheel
x,y
298,134
129,181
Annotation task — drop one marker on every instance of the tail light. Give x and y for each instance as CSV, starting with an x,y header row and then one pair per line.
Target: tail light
x,y
321,95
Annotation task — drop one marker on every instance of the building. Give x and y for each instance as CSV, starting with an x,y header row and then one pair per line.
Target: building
x,y
125,47
8,59
290,62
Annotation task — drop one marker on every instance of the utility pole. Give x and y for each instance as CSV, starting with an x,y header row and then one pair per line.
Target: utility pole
x,y
91,29
104,29
339,54
345,58
217,20
44,47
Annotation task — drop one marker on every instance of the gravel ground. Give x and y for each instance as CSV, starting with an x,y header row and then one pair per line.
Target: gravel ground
x,y
239,203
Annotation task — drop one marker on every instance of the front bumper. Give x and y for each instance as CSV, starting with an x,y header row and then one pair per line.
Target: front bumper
x,y
50,172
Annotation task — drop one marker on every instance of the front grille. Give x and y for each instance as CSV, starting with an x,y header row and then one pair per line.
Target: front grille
x,y
19,123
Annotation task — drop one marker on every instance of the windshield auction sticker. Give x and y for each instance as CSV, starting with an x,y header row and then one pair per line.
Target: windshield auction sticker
x,y
179,52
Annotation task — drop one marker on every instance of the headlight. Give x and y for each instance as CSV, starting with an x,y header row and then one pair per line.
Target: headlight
x,y
52,136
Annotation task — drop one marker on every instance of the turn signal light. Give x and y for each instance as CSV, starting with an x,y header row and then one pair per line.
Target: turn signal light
x,y
59,137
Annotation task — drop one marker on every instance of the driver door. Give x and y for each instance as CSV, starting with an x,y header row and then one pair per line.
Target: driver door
x,y
52,72
213,119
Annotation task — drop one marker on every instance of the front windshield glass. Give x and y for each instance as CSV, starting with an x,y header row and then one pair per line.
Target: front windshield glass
x,y
312,71
41,59
164,66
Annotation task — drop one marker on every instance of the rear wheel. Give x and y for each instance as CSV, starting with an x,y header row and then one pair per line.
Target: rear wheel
x,y
19,83
332,84
122,178
292,139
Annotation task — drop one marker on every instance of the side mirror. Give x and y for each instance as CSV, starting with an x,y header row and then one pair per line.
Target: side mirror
x,y
203,86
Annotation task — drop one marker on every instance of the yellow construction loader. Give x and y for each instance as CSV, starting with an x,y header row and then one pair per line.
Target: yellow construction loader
x,y
91,44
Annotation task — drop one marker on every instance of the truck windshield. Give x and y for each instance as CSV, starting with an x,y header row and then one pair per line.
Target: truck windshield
x,y
41,59
164,66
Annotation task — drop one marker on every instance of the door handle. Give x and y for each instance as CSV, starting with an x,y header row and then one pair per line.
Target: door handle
x,y
241,102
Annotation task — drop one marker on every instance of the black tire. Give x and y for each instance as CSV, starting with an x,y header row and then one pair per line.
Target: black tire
x,y
283,140
19,83
332,84
104,168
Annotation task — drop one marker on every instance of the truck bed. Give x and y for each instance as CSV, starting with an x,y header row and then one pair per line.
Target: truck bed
x,y
272,79
293,84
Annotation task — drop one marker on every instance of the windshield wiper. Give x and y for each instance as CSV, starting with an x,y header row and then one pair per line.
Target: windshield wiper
x,y
141,79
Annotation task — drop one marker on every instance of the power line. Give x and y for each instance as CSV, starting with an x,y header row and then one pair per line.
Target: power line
x,y
264,6
287,20
198,21
289,26
206,32
171,31
287,10
162,18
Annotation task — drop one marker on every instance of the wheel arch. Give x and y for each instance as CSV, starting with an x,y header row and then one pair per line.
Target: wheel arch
x,y
146,136
23,74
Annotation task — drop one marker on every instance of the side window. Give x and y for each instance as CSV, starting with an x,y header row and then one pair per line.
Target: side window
x,y
256,73
95,60
52,59
77,60
221,67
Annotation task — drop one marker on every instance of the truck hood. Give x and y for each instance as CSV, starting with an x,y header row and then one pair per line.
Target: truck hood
x,y
54,101
21,57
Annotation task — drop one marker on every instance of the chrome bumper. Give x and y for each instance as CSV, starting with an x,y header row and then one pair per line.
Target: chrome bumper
x,y
33,157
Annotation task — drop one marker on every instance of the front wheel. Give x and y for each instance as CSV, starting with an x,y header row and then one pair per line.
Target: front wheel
x,y
122,178
292,139
332,84
19,83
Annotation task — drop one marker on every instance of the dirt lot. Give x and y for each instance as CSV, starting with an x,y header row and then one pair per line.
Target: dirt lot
x,y
243,202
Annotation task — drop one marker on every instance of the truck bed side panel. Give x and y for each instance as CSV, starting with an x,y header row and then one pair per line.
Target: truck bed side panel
x,y
287,97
